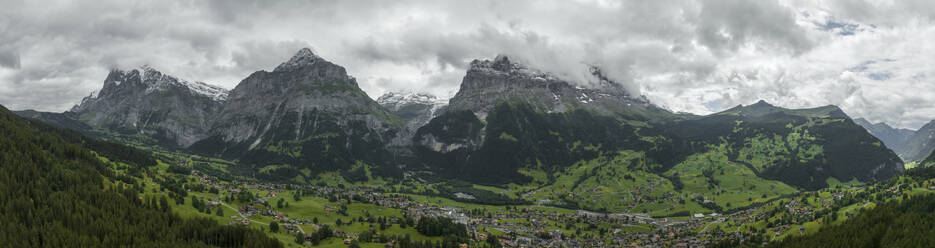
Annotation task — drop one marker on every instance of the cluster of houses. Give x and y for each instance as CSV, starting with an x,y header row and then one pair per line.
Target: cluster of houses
x,y
660,232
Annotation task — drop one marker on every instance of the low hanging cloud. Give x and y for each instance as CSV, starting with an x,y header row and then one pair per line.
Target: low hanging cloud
x,y
869,57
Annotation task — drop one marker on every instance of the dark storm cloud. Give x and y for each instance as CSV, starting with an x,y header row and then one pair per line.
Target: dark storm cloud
x,y
698,55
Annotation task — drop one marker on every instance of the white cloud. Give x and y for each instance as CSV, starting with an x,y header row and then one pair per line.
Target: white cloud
x,y
872,58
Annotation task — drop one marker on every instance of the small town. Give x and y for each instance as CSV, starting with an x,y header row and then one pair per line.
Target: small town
x,y
541,226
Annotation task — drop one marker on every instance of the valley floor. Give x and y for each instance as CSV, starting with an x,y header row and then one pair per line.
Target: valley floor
x,y
376,213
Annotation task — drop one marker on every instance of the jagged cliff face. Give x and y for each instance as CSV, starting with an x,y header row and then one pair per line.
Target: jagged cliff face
x,y
488,83
145,101
414,109
306,112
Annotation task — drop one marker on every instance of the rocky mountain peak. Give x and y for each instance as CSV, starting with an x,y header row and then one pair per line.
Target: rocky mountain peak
x,y
304,57
762,104
929,125
144,100
502,65
154,80
414,108
146,80
489,82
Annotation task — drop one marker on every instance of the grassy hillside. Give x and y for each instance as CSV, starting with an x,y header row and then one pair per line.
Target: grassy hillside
x,y
802,148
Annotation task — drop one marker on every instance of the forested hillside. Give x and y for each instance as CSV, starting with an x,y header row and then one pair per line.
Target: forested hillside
x,y
57,194
895,224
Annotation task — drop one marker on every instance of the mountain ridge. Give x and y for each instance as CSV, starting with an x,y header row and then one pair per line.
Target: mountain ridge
x,y
145,101
307,112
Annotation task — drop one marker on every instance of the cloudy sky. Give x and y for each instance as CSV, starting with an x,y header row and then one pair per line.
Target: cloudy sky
x,y
875,59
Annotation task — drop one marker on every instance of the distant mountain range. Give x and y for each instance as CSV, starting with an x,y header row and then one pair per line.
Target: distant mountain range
x,y
508,123
910,145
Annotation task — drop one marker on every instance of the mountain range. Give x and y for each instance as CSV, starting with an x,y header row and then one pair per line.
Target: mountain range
x,y
508,123
910,145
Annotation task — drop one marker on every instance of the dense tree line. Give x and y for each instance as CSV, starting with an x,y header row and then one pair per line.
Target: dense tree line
x,y
480,196
910,223
112,151
431,226
53,194
921,172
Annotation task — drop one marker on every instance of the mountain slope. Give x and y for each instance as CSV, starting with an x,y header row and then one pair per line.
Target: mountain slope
x,y
67,120
894,138
929,160
508,120
921,144
414,109
307,113
489,82
802,147
172,111
53,194
506,117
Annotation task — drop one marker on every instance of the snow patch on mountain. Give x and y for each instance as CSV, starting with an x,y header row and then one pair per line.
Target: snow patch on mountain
x,y
156,81
302,58
396,99
501,65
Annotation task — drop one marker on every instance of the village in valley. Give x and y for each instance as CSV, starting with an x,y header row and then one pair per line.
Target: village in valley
x,y
381,215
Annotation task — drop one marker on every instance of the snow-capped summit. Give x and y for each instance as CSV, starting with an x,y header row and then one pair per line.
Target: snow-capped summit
x,y
502,65
490,82
395,100
415,108
157,81
149,102
303,57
